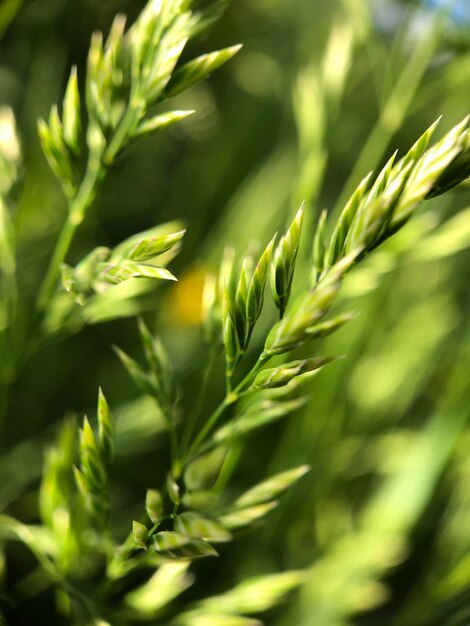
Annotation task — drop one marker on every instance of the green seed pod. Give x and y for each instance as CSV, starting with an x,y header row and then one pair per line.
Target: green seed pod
x,y
198,69
147,249
417,149
232,348
141,534
199,527
55,151
340,233
239,308
71,114
329,326
105,429
211,312
161,121
255,297
91,461
114,44
432,167
371,221
293,330
82,485
71,284
283,265
319,248
174,545
173,489
280,376
94,102
154,505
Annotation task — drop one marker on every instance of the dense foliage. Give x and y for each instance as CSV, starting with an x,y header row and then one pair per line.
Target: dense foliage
x,y
141,265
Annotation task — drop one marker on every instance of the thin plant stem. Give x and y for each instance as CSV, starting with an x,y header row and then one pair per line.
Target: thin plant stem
x,y
60,251
228,468
228,381
262,360
230,399
126,128
174,442
192,420
77,211
81,202
205,430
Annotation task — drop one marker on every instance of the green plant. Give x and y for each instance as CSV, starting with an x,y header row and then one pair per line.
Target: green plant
x,y
128,77
102,576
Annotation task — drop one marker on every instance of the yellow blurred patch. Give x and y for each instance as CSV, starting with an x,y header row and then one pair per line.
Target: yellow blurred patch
x,y
186,298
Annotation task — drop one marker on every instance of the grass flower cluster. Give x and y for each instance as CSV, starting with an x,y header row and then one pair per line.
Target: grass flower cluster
x,y
262,319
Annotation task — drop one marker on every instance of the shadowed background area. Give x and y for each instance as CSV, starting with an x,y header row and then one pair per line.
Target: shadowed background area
x,y
321,94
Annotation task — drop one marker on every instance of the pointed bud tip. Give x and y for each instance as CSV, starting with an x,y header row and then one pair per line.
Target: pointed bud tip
x,y
236,48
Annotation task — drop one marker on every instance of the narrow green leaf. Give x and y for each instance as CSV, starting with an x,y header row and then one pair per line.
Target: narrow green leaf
x,y
158,361
272,487
256,595
167,583
198,69
255,417
161,121
141,379
246,517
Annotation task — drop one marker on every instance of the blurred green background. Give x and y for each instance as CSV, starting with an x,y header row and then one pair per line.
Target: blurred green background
x,y
322,93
